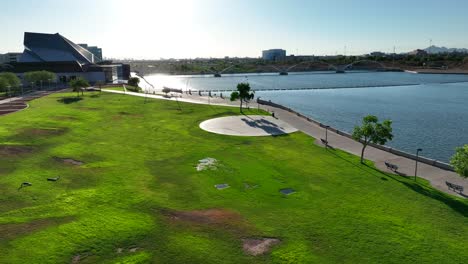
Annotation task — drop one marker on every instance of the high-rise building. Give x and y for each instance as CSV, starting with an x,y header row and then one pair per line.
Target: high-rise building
x,y
274,54
95,50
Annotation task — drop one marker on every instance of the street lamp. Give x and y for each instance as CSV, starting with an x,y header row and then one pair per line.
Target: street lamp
x,y
258,102
326,133
416,167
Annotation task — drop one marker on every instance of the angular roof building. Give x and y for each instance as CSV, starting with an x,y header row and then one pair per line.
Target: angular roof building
x,y
40,47
55,53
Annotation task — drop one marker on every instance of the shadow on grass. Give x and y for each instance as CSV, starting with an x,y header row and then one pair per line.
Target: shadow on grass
x,y
70,100
428,191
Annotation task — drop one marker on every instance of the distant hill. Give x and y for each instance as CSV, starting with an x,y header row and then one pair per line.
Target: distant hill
x,y
436,50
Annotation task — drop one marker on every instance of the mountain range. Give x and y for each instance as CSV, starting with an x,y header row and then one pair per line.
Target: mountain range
x,y
436,50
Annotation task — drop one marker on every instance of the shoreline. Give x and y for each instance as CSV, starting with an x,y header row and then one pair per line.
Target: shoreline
x,y
436,175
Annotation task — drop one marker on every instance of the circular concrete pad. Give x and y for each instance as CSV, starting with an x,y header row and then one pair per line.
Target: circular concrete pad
x,y
247,126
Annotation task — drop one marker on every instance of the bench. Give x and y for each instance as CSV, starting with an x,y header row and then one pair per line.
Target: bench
x,y
455,187
390,166
325,142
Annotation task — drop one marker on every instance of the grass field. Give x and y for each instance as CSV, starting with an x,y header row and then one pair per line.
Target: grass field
x,y
136,196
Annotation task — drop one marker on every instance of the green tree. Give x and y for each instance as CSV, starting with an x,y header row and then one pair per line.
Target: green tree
x,y
3,85
11,78
243,94
99,84
78,85
40,76
134,81
459,161
371,131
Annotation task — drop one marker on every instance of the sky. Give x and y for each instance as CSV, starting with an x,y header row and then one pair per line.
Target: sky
x,y
153,29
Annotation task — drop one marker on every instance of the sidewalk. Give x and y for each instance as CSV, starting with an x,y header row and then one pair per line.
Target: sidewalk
x,y
436,176
406,166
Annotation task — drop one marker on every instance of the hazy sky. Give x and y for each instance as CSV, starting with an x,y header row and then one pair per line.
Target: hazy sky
x,y
217,28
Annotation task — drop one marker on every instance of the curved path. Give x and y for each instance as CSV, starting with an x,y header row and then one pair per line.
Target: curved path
x,y
436,176
255,126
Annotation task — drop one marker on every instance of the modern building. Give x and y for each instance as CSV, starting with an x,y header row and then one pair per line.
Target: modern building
x,y
55,53
274,55
10,57
95,50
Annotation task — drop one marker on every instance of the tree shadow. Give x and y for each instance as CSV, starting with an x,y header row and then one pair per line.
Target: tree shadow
x,y
430,192
70,100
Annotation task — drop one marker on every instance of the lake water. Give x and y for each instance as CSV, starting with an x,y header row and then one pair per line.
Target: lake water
x,y
429,111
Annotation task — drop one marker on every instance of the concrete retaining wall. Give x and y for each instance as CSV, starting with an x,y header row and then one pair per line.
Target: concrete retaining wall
x,y
432,162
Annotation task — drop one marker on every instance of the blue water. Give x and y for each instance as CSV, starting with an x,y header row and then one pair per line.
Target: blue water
x,y
428,111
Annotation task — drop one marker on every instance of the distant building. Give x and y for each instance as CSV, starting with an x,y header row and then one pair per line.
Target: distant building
x,y
418,52
10,57
274,55
95,50
55,53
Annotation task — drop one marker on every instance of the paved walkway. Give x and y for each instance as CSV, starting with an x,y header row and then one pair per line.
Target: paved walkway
x,y
256,126
406,166
14,104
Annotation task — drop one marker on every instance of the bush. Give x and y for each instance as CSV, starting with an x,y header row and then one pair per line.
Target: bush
x,y
135,89
134,81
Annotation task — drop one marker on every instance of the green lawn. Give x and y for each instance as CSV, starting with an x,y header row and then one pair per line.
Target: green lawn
x,y
138,188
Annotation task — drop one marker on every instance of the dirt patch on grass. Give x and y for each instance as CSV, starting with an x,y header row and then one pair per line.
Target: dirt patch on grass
x,y
210,216
221,219
88,108
34,132
14,150
69,161
125,114
65,118
78,258
11,231
258,246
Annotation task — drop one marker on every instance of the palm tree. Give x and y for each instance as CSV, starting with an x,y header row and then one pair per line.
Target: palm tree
x,y
78,85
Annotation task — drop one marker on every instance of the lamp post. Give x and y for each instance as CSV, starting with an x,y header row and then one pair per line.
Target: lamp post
x,y
416,167
49,83
258,102
326,133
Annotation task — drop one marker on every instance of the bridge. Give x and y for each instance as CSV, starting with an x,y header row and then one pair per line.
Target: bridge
x,y
336,68
218,73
